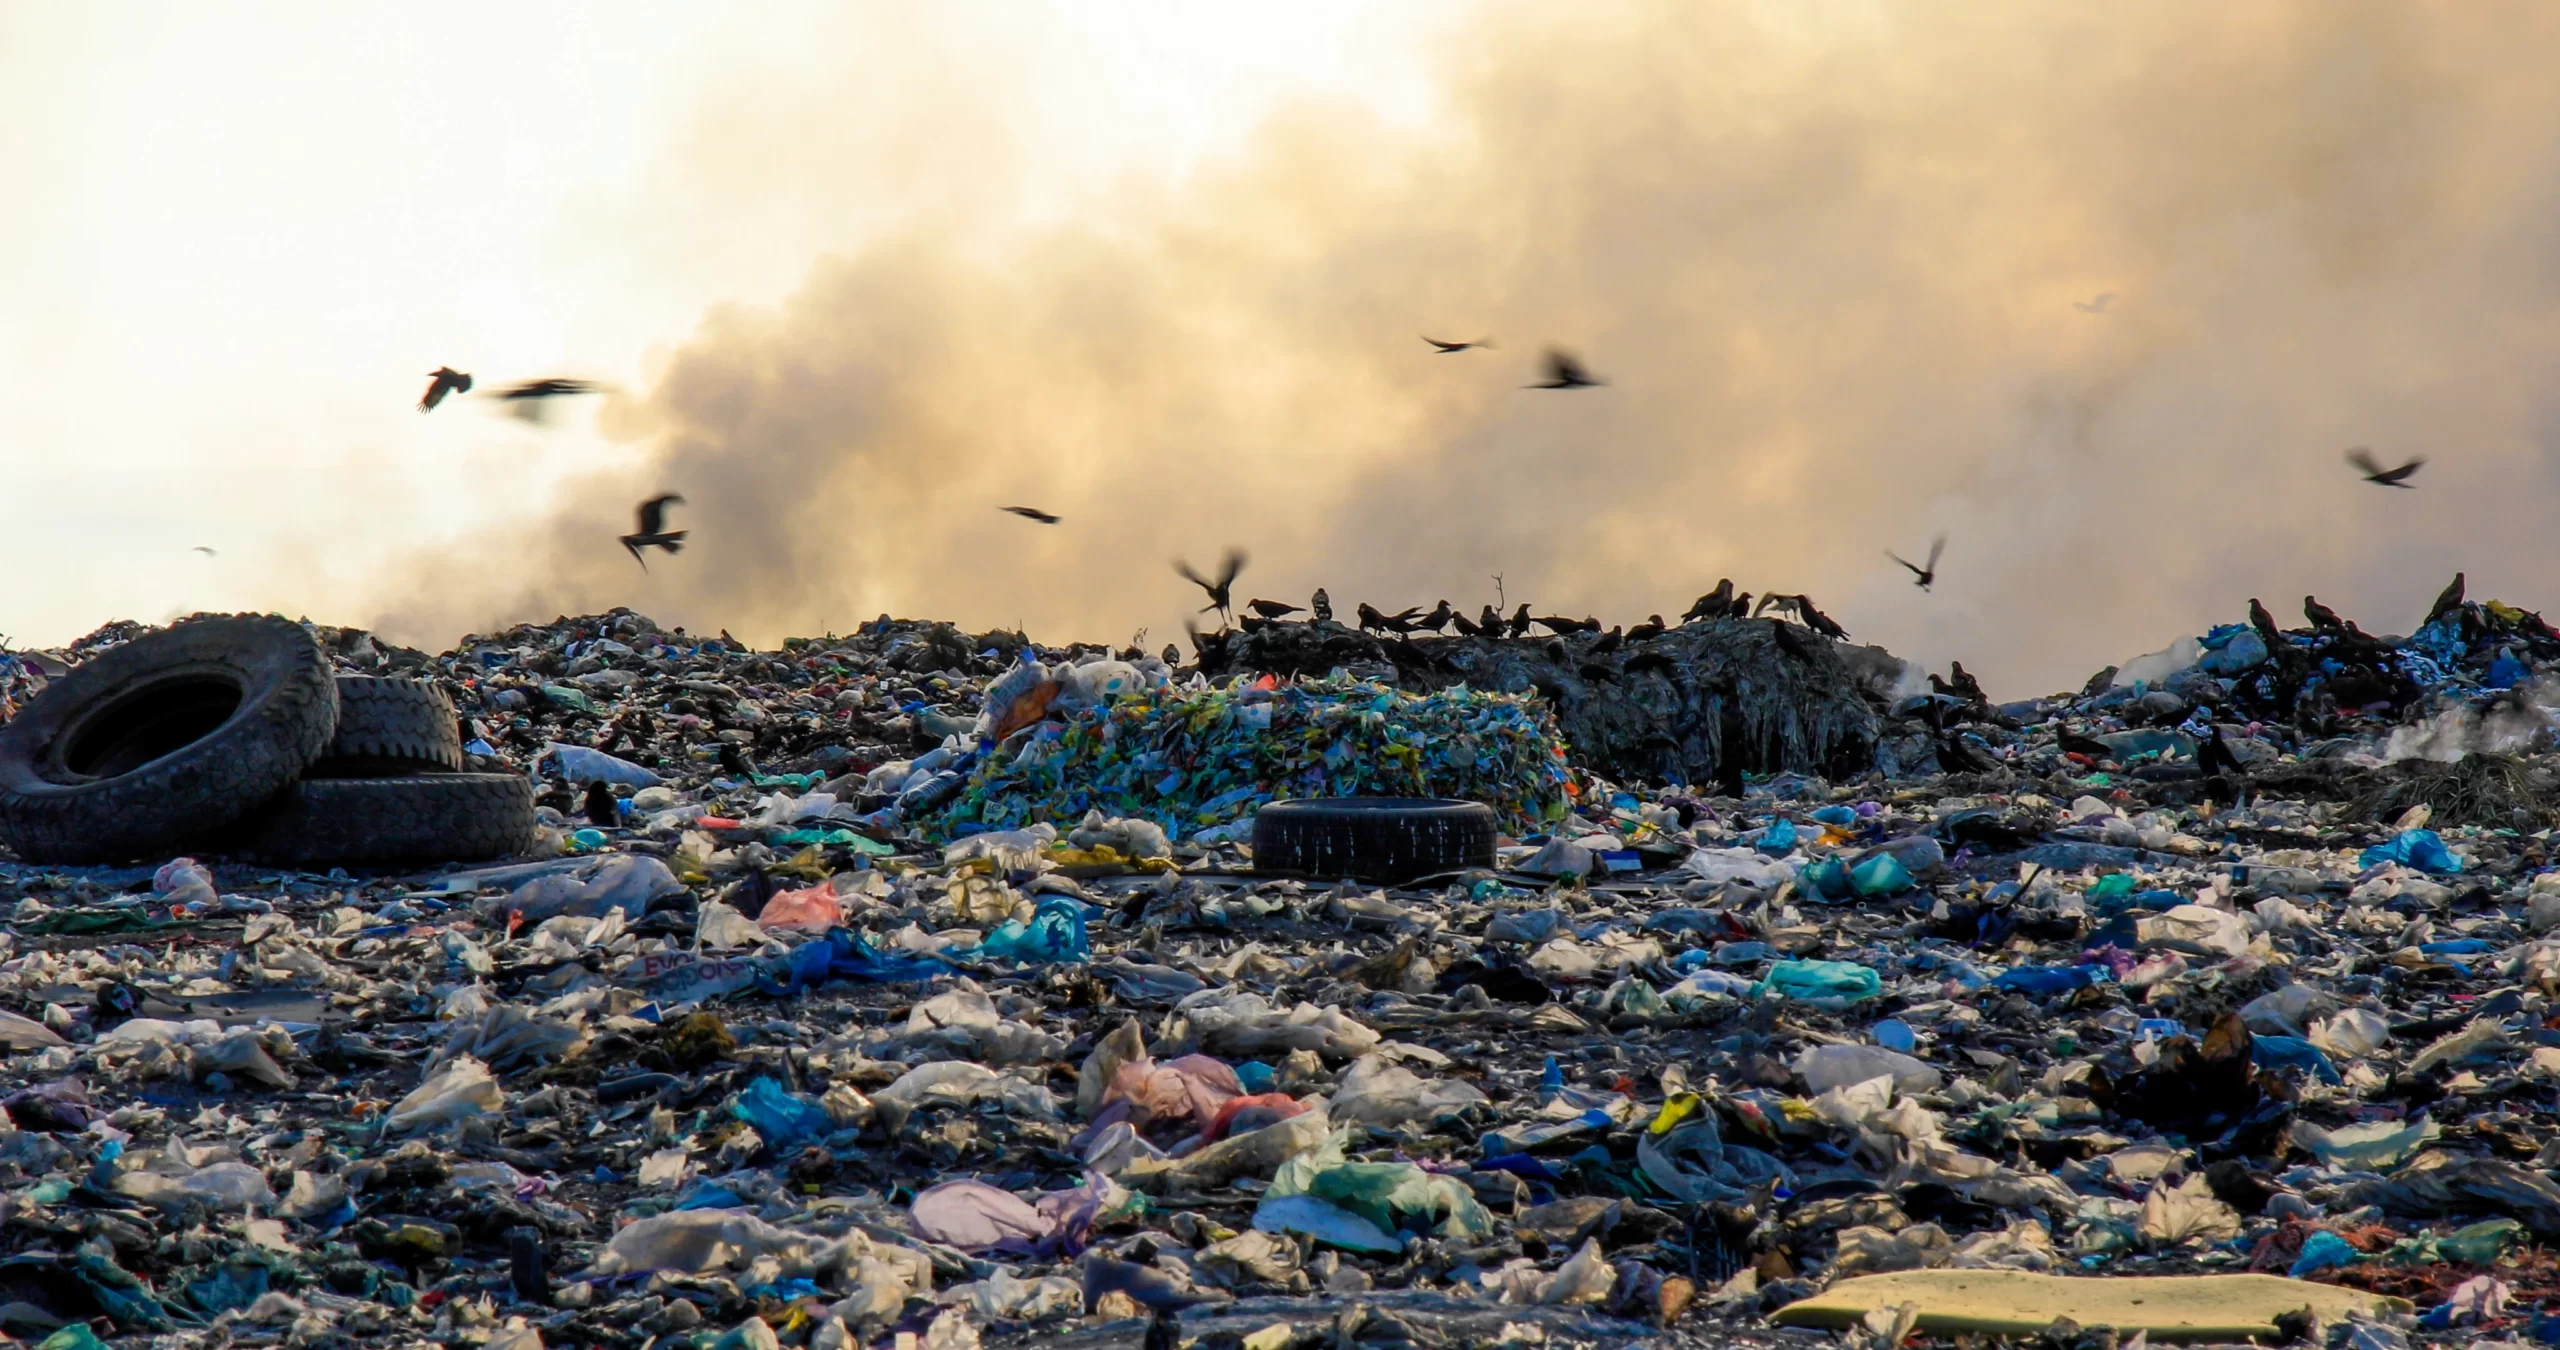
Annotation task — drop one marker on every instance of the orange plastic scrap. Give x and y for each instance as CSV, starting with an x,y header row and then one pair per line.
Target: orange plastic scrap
x,y
1030,707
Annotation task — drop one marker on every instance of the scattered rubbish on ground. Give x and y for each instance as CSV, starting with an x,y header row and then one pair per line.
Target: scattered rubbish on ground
x,y
922,989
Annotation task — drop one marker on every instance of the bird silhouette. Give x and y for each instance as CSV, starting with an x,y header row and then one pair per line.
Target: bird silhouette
x,y
1923,577
653,531
1032,513
1466,627
1609,642
441,381
1802,608
2374,472
1715,604
1218,591
528,400
2265,623
1489,622
2097,305
1320,607
1520,620
1791,640
203,550
1448,348
2323,619
1272,609
1653,627
1371,621
2446,602
1564,372
1438,619
2213,755
601,809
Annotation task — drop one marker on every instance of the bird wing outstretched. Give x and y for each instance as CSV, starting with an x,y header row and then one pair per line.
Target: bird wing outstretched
x,y
1446,346
1565,372
1229,567
653,514
1033,513
1916,569
1936,547
2364,462
1184,567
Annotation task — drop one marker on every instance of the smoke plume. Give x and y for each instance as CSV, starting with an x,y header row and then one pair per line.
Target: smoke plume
x,y
1829,260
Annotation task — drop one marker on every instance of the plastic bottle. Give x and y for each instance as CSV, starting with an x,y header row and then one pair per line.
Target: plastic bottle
x,y
579,764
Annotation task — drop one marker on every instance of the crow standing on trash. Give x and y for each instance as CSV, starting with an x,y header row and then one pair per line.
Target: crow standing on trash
x,y
1218,591
1320,607
2325,620
1031,513
443,380
2446,602
2265,623
1272,609
1923,577
1565,372
1715,604
1438,619
653,531
2374,472
1520,620
1802,608
1448,348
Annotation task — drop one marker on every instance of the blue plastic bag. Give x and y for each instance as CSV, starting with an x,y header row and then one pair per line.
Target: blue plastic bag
x,y
1880,876
2420,849
2047,981
2322,1251
1828,878
1779,839
786,1121
843,955
2292,1052
1055,933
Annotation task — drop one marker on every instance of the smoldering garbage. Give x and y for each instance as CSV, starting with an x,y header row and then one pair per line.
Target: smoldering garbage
x,y
917,984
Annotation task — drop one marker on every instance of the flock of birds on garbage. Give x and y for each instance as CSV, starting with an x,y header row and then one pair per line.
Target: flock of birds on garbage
x,y
1563,370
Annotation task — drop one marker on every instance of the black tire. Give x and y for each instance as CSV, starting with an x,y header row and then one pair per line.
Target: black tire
x,y
389,728
158,745
428,818
1384,841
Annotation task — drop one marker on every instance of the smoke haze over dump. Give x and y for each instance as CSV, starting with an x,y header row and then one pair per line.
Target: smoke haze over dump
x,y
1826,256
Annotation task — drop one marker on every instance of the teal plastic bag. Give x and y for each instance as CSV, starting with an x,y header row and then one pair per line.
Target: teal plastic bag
x,y
1828,878
1056,933
786,1121
1880,876
1834,984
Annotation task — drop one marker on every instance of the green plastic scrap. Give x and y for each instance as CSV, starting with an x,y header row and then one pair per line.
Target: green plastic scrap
x,y
1384,1193
1834,984
1191,759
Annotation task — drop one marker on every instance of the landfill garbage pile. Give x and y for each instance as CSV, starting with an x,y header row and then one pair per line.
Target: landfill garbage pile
x,y
1704,702
752,1049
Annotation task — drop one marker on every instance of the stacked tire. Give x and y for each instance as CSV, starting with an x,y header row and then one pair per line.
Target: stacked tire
x,y
229,735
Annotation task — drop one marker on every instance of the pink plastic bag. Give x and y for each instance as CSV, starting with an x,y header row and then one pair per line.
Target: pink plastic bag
x,y
814,910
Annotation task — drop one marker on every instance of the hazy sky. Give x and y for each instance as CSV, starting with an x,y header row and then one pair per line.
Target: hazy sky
x,y
864,273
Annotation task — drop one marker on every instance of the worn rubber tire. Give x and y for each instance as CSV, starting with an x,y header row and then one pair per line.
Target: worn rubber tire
x,y
156,746
424,818
389,728
1381,840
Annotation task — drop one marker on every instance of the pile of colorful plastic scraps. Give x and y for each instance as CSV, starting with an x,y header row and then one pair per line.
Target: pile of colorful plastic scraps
x,y
1196,760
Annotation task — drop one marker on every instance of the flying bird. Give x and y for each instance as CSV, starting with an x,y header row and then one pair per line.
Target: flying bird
x,y
203,550
1924,577
1032,513
1564,372
1273,609
443,380
653,531
529,399
1219,590
1446,348
2097,305
2374,472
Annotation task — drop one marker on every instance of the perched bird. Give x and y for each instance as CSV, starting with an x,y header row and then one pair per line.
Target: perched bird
x,y
2373,471
1489,622
1466,627
1564,372
2097,305
1609,642
1172,655
1033,513
1966,686
734,761
1653,627
2323,619
1321,607
1791,640
2265,623
653,531
602,810
441,381
1714,604
1520,620
2446,602
1923,577
527,400
1448,347
1558,624
1438,619
1218,591
1272,609
1802,608
1371,621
